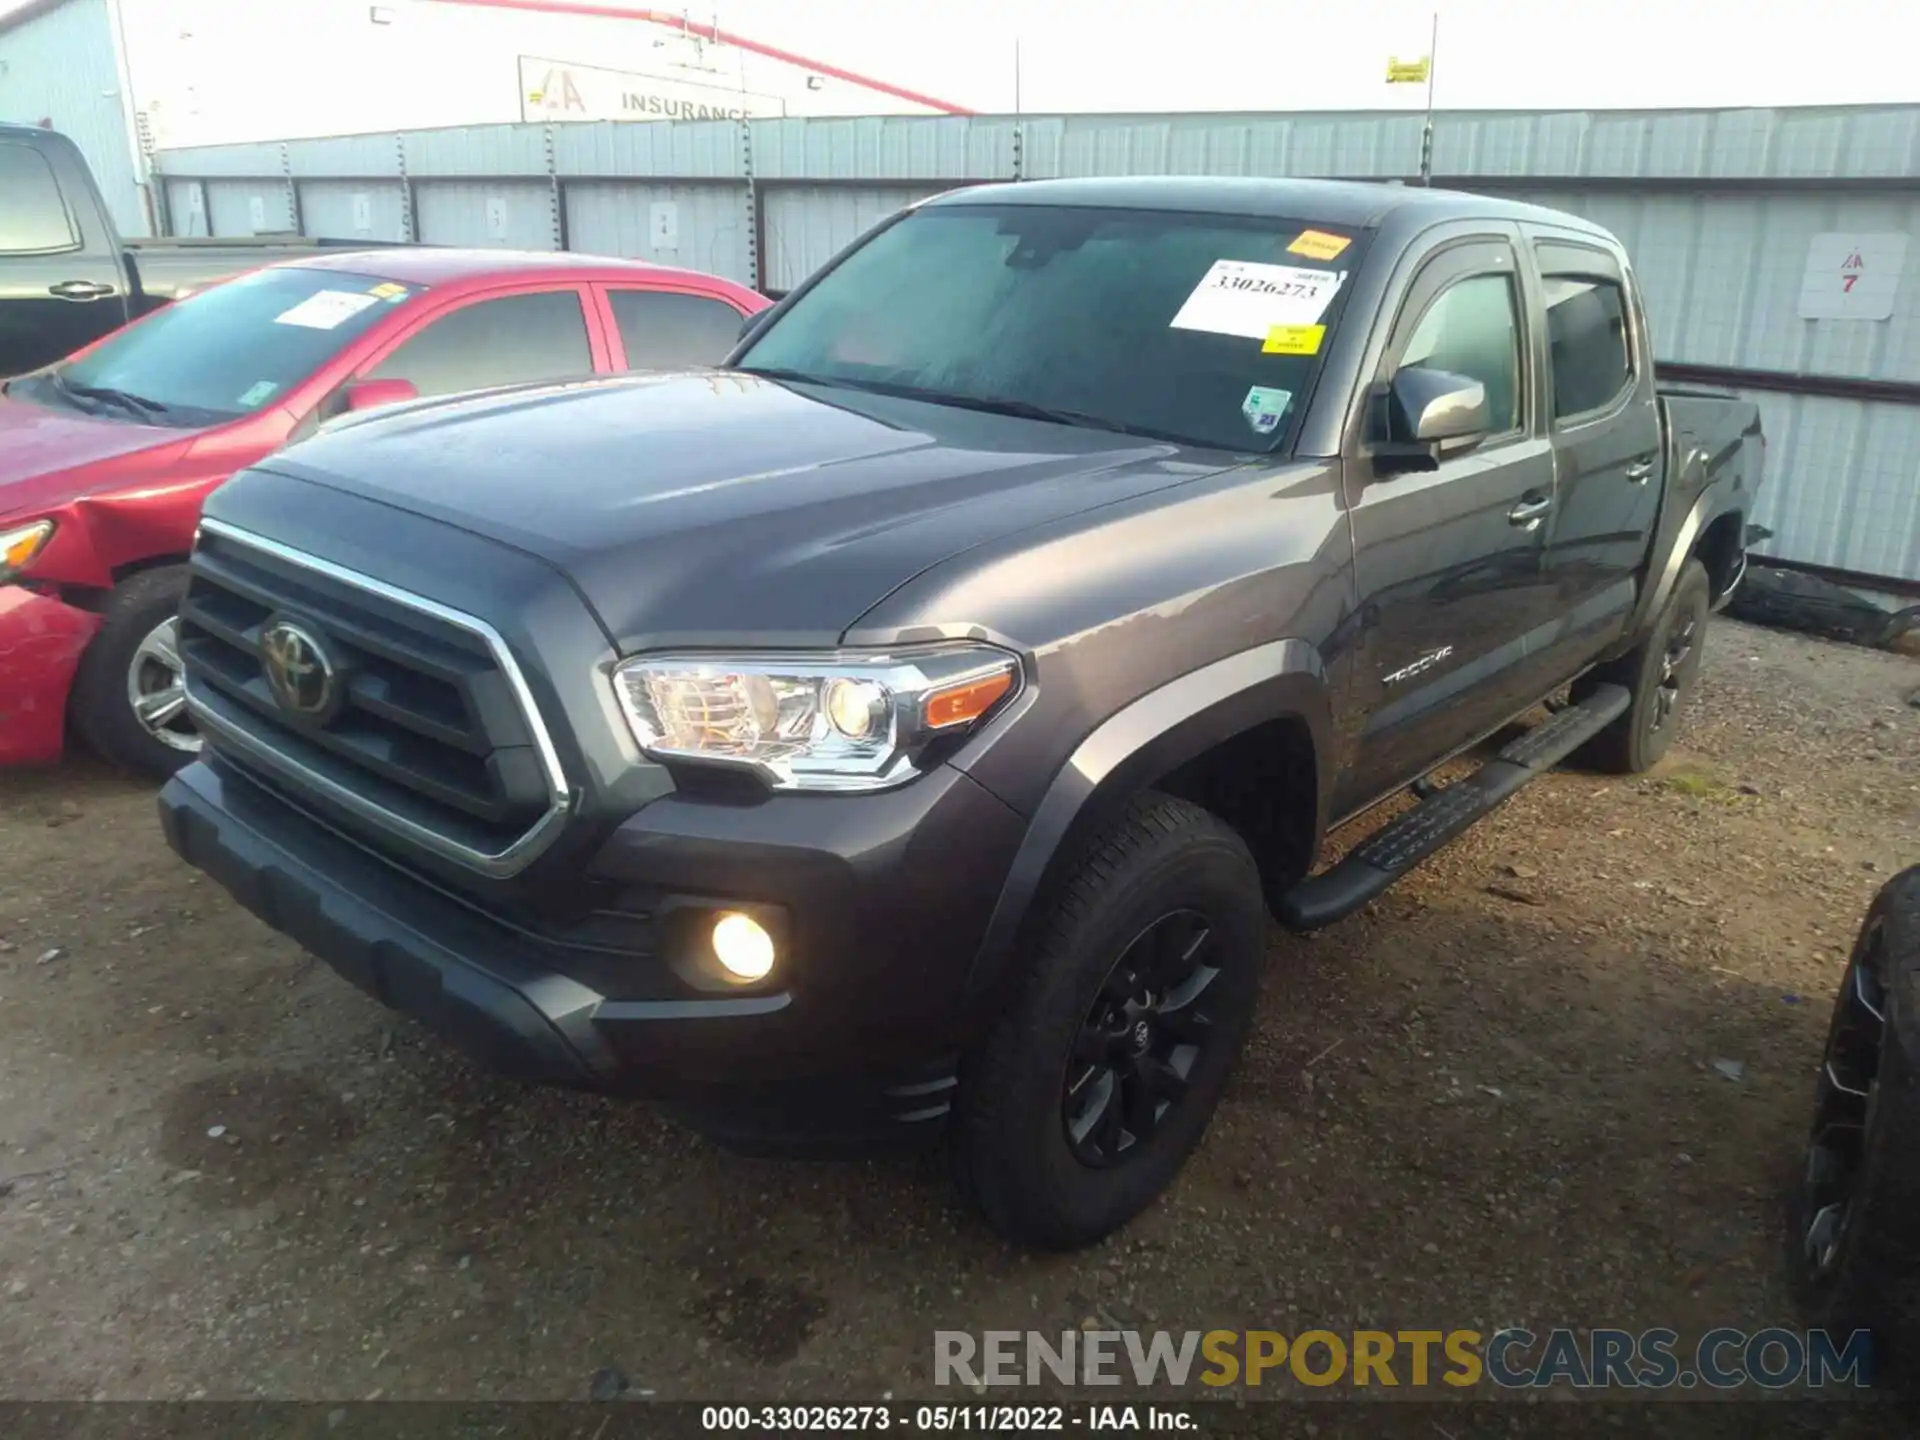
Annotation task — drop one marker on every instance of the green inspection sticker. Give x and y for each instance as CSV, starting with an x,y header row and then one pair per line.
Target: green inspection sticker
x,y
1265,407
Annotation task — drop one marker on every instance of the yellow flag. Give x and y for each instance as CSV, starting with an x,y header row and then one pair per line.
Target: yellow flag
x,y
1407,72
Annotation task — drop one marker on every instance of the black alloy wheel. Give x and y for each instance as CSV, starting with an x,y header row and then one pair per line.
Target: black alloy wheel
x,y
1844,1098
1140,1040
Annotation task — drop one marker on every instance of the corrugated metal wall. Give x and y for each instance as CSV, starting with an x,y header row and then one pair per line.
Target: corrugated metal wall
x,y
63,66
1718,207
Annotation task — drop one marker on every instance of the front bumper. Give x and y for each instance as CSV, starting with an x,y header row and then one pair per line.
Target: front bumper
x,y
41,641
886,898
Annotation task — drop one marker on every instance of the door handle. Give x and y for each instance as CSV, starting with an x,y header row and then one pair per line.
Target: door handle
x,y
1640,471
1529,513
80,290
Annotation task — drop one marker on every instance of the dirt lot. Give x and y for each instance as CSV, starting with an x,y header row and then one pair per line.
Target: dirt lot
x,y
1491,1099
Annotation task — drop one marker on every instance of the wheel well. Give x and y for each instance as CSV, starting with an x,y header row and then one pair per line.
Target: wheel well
x,y
1264,783
124,573
1720,547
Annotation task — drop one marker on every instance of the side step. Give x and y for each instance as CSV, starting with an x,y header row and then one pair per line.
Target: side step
x,y
1410,837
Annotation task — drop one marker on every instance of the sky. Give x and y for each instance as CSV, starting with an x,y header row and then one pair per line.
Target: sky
x,y
287,67
1290,55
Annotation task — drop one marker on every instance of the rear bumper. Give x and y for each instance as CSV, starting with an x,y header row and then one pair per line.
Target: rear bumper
x,y
41,641
833,1061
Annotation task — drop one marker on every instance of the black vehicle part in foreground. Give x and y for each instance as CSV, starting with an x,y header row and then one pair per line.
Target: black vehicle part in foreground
x,y
1854,1231
907,730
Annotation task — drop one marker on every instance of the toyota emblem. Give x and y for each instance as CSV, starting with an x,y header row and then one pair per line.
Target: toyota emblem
x,y
299,670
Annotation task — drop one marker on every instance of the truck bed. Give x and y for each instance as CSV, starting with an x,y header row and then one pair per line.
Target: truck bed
x,y
170,269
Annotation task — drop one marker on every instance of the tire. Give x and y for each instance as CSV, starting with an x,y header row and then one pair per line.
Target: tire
x,y
134,655
1166,874
1659,673
1854,1219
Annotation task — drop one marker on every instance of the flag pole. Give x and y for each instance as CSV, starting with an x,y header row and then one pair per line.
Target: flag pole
x,y
1426,133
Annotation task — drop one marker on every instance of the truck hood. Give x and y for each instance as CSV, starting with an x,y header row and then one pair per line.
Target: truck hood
x,y
725,508
50,457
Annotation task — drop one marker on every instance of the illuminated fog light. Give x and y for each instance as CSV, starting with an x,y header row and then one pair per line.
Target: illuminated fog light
x,y
856,707
743,947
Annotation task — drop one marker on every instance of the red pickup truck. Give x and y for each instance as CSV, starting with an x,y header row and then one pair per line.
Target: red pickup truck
x,y
106,457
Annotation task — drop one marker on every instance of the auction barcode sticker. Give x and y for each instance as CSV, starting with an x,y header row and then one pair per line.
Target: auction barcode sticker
x,y
1245,297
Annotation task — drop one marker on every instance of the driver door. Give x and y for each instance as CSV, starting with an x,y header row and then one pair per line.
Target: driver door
x,y
1449,564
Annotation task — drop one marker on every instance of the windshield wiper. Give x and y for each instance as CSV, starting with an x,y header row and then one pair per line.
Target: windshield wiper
x,y
1017,409
134,404
774,372
1027,410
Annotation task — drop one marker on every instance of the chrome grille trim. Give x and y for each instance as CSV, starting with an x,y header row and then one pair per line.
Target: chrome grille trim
x,y
498,864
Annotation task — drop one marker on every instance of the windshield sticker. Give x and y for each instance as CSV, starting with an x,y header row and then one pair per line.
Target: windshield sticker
x,y
1318,245
1244,297
257,392
388,290
1294,340
325,310
1265,408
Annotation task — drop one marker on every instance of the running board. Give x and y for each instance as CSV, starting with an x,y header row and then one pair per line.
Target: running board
x,y
1413,835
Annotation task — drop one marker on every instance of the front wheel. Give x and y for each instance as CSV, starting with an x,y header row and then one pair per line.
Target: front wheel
x,y
130,697
1094,1086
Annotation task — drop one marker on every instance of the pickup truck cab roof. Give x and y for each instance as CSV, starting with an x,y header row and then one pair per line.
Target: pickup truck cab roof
x,y
1363,204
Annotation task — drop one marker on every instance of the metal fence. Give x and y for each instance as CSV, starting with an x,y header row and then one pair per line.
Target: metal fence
x,y
1720,209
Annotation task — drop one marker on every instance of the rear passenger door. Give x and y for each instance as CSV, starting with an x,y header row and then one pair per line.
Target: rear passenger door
x,y
1449,564
524,337
671,329
61,281
1606,438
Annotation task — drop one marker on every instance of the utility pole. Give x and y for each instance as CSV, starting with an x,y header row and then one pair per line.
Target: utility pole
x,y
1016,75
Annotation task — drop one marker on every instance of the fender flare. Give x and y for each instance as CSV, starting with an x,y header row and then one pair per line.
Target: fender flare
x,y
1707,508
1163,729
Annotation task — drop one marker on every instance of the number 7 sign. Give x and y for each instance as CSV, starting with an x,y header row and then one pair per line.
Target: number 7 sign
x,y
1852,276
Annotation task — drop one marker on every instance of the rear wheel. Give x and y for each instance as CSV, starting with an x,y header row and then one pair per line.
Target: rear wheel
x,y
1101,1077
130,698
1854,1224
1659,673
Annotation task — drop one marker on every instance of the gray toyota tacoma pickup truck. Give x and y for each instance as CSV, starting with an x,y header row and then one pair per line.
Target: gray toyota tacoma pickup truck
x,y
910,727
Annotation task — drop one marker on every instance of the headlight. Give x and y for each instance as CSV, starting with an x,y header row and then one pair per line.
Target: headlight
x,y
19,546
844,721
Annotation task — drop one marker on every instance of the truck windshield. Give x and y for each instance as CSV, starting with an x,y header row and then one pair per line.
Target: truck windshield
x,y
227,351
1202,329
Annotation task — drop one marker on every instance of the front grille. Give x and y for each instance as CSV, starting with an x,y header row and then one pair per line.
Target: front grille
x,y
431,734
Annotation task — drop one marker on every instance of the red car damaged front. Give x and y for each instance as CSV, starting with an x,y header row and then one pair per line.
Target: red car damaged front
x,y
79,497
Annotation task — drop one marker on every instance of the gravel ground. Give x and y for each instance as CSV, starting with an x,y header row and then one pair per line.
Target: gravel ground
x,y
1492,1098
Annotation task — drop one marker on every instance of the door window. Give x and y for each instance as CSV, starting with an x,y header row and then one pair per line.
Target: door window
x,y
513,340
1473,329
34,219
667,330
1587,334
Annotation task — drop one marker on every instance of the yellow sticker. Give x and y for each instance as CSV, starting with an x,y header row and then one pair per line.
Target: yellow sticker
x,y
1318,244
386,290
1294,340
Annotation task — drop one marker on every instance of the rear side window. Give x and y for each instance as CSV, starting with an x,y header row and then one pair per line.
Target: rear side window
x,y
516,339
662,330
33,217
1587,333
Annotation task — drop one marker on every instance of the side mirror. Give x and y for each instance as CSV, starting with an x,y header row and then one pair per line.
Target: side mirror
x,y
1428,411
1428,406
372,394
